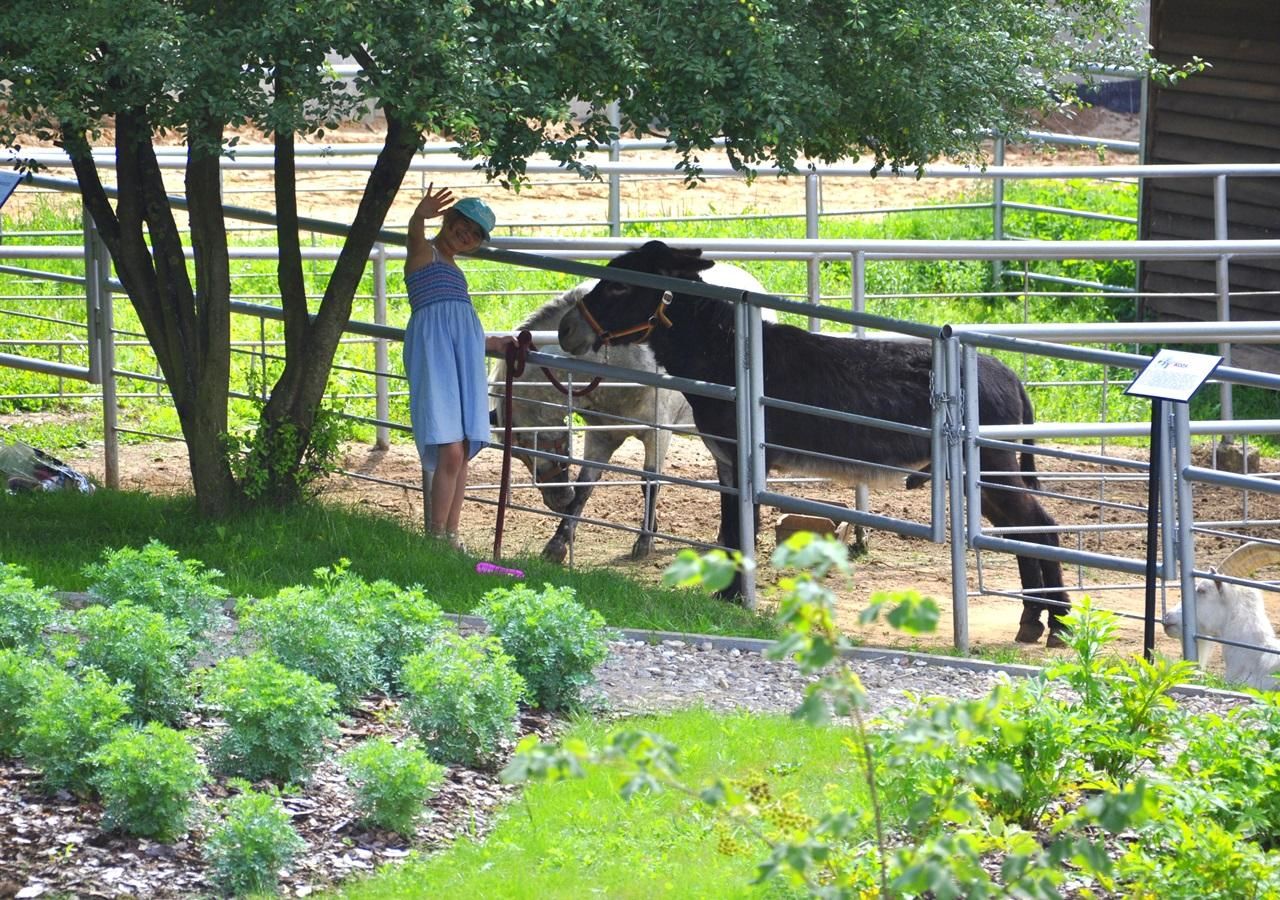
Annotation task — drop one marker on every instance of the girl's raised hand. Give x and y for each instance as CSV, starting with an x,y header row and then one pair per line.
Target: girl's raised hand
x,y
435,202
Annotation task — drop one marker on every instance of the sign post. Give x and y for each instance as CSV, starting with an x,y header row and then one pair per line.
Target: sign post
x,y
1171,376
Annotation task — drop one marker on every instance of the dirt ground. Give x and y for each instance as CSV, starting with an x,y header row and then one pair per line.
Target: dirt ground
x,y
893,562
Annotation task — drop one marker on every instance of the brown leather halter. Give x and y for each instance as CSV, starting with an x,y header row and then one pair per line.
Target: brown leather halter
x,y
604,338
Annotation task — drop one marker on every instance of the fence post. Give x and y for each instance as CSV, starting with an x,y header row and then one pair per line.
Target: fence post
x,y
1222,274
748,360
381,363
102,336
1186,516
997,211
812,202
950,388
615,180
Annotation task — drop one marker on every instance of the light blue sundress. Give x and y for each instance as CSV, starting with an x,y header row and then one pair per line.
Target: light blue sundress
x,y
444,360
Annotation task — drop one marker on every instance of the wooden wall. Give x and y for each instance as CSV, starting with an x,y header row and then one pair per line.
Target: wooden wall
x,y
1229,113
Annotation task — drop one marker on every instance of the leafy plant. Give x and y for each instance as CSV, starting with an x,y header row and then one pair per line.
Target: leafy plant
x,y
148,779
250,843
555,641
277,718
1229,772
1131,712
66,721
312,629
1180,858
399,621
392,783
21,674
26,611
136,644
156,577
461,697
280,462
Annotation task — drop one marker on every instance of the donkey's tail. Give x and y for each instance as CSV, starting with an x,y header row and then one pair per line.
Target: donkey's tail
x,y
1027,462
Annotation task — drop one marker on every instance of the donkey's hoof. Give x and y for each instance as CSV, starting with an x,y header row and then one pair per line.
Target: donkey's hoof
x,y
641,549
555,551
1029,633
1055,641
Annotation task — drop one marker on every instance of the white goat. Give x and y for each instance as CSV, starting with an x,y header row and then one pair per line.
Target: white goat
x,y
1235,612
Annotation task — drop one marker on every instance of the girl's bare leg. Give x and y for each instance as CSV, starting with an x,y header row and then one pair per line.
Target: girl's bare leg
x,y
447,487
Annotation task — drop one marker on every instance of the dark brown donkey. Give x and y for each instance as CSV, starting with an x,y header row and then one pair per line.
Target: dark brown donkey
x,y
693,337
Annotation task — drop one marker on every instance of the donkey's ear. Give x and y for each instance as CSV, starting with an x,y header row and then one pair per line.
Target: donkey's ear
x,y
681,263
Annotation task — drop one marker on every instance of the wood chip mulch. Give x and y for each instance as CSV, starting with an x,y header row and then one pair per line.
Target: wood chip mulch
x,y
54,846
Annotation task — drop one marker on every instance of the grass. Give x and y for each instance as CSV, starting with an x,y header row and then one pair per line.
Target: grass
x,y
55,535
579,838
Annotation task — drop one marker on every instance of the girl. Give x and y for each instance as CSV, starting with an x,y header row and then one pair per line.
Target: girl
x,y
444,353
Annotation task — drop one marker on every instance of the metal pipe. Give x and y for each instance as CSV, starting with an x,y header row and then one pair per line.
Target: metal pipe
x,y
813,271
1186,542
381,354
955,484
747,356
1222,278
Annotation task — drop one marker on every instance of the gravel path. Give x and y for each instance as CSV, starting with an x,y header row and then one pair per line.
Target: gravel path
x,y
653,672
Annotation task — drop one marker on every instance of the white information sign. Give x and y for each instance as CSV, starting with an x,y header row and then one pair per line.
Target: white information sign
x,y
1173,375
8,181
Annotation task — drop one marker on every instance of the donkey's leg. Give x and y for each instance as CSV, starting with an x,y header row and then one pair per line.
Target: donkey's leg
x,y
1041,579
730,535
599,446
656,442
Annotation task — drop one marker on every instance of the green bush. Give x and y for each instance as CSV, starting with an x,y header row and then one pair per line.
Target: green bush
x,y
277,718
555,641
156,577
148,779
20,676
307,629
251,843
403,622
392,783
25,610
462,696
141,646
66,721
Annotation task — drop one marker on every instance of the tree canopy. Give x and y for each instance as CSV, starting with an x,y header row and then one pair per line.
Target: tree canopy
x,y
778,82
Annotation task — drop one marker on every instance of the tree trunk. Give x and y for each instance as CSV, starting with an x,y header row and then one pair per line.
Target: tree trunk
x,y
188,330
312,342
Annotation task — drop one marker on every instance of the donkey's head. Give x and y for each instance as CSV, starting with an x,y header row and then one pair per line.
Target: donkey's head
x,y
618,313
549,436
